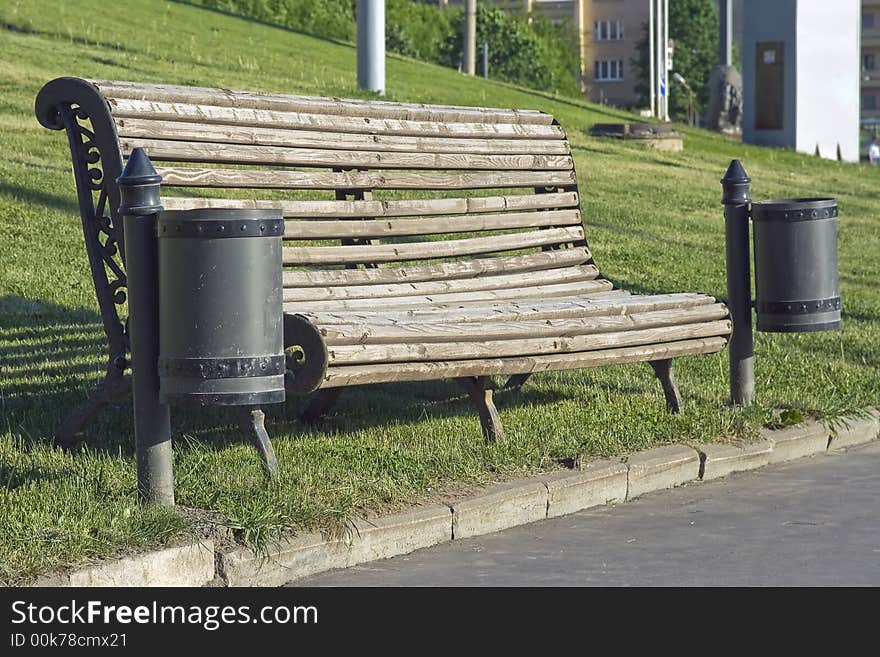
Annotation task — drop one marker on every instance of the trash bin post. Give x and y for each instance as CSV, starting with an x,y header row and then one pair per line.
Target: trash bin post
x,y
139,187
741,350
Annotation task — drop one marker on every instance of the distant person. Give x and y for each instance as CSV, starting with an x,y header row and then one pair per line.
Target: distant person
x,y
874,153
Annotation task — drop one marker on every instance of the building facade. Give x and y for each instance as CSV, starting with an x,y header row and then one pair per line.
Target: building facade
x,y
608,33
870,79
800,76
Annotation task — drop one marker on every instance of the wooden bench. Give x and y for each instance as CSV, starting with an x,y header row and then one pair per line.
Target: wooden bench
x,y
423,241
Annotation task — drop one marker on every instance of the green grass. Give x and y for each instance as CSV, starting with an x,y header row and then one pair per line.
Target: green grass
x,y
653,220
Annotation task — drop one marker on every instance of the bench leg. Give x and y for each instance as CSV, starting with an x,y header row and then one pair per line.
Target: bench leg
x,y
516,381
663,370
115,387
250,420
322,402
479,389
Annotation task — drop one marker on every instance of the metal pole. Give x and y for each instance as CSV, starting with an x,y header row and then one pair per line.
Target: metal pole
x,y
470,37
666,59
651,55
741,350
371,45
486,60
139,206
658,44
725,43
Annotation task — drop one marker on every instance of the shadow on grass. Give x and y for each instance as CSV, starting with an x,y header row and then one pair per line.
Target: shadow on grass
x,y
52,358
12,477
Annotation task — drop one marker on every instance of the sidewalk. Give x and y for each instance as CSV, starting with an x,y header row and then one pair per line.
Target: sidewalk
x,y
811,522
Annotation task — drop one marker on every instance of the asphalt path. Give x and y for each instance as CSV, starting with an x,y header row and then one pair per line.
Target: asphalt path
x,y
811,522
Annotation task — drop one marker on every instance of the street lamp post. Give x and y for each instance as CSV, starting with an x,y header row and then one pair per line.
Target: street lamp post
x,y
691,114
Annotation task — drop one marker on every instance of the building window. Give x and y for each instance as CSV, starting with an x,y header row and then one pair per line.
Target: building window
x,y
608,70
868,20
608,30
869,62
869,102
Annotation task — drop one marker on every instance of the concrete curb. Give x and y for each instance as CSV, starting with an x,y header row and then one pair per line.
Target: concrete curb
x,y
798,441
498,507
191,564
661,467
718,461
850,432
600,482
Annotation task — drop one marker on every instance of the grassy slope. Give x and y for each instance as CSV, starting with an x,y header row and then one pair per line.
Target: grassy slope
x,y
653,220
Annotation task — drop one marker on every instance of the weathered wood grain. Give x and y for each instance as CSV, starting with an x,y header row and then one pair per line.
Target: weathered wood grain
x,y
603,303
316,104
573,290
275,179
472,268
425,332
264,118
383,228
234,134
449,248
503,281
481,348
388,208
164,150
383,373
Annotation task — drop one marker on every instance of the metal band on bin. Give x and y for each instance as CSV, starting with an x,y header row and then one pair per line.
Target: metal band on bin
x,y
223,368
800,307
214,223
795,210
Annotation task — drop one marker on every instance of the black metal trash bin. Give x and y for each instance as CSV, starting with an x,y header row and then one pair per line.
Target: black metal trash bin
x,y
796,273
221,335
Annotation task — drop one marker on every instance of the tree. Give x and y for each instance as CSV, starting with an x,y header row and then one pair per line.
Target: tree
x,y
693,25
538,55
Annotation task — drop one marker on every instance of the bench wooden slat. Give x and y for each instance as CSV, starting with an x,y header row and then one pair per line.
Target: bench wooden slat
x,y
603,303
474,268
263,118
382,373
403,333
379,228
318,104
249,178
188,151
233,134
376,253
476,297
389,208
481,348
501,282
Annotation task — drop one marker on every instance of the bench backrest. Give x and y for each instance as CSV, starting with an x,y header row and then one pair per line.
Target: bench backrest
x,y
451,192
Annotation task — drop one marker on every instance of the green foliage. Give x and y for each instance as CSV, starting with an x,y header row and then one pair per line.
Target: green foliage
x,y
334,19
416,29
540,55
693,25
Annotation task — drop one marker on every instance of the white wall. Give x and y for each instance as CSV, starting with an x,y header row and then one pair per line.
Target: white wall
x,y
770,20
828,65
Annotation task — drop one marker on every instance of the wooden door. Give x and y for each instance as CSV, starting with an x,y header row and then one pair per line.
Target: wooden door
x,y
769,85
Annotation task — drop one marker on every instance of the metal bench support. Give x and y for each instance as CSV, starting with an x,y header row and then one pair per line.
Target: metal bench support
x,y
479,389
663,370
